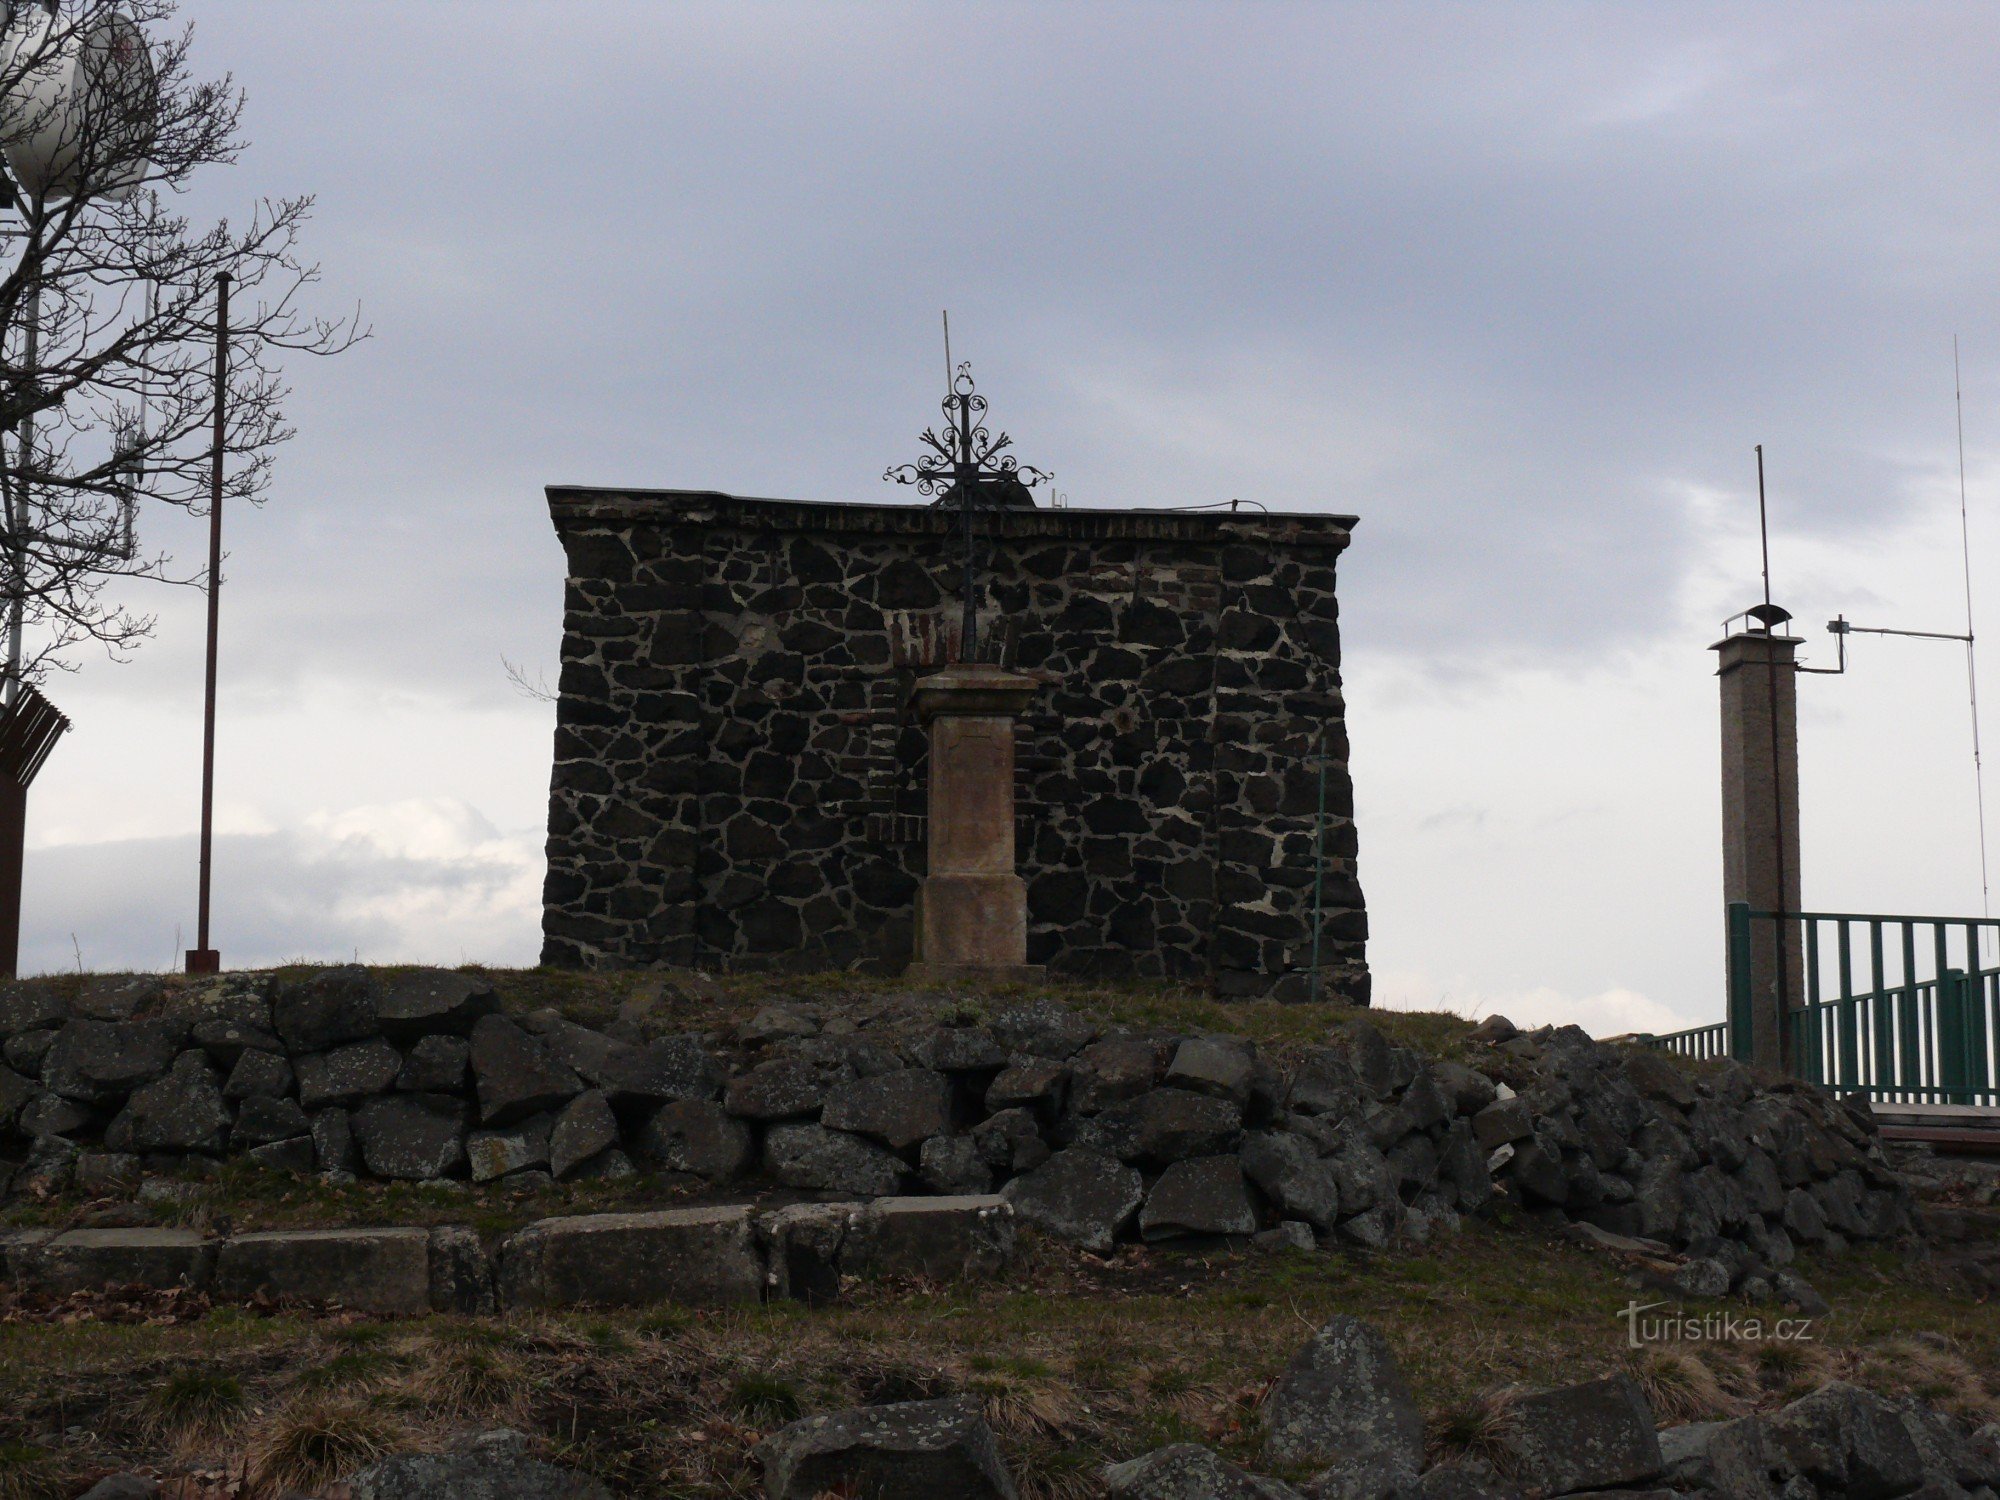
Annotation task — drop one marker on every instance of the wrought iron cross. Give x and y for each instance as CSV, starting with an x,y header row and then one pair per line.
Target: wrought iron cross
x,y
969,467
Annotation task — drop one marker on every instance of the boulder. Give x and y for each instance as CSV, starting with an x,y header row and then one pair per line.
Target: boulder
x,y
1342,1402
662,1072
328,1008
348,1074
435,1065
259,1074
697,1256
779,1088
26,1052
514,1074
15,1094
909,1449
100,1062
333,1140
1503,1121
583,1129
261,1120
1217,1066
513,1148
1165,1125
29,1007
414,1137
1289,1172
817,1159
1323,1083
1078,1195
697,1136
1030,1083
1187,1471
1042,1028
959,1049
47,1114
493,1466
1205,1196
1598,1435
420,1003
952,1164
182,1112
122,1487
1733,1458
1849,1440
1117,1067
899,1109
1010,1142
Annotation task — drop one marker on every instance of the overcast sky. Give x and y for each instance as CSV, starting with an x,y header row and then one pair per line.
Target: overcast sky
x,y
1519,285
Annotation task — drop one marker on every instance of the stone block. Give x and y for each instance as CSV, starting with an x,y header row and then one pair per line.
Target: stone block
x,y
912,1448
386,1271
1598,1435
945,1239
1078,1195
699,1256
817,1159
1205,1196
1343,1403
698,1137
83,1260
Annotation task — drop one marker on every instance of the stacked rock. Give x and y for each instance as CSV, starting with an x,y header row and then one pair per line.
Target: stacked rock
x,y
1096,1135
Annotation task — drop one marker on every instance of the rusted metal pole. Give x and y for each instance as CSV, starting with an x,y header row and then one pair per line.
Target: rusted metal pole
x,y
202,959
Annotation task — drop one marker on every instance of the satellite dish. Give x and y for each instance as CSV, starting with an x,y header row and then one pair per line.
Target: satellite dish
x,y
78,112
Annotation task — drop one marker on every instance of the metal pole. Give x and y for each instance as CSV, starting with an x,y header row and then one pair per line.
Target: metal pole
x,y
204,959
1782,930
968,630
17,516
1319,864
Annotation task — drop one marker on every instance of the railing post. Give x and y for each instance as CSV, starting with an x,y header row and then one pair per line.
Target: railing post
x,y
1954,1037
1742,1036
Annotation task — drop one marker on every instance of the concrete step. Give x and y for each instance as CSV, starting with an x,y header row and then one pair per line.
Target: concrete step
x,y
704,1256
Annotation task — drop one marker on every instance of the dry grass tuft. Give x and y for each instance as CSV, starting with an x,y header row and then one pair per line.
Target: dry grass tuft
x,y
1473,1427
1930,1371
464,1379
1042,1472
28,1473
1682,1386
311,1443
194,1407
765,1400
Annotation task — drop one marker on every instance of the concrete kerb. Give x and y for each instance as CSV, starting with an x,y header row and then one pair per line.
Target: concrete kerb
x,y
699,1256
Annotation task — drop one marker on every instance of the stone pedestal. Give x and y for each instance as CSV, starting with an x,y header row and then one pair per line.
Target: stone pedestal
x,y
1760,822
972,910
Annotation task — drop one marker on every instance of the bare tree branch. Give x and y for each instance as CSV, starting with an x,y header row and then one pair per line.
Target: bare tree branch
x,y
116,383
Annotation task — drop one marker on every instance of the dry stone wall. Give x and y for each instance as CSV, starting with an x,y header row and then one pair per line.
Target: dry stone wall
x,y
1094,1135
739,782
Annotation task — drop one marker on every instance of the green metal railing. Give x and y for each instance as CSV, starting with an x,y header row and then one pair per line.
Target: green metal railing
x,y
1901,1009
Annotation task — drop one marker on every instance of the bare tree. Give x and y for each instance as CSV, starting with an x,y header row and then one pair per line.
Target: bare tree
x,y
106,372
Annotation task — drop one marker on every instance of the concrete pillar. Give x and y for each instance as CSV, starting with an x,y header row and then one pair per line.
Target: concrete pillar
x,y
972,909
1760,821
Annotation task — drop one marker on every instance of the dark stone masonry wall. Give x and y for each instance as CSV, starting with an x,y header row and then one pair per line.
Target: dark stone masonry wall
x,y
739,782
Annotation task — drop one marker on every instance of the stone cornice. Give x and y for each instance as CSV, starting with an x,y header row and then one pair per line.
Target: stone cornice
x,y
572,506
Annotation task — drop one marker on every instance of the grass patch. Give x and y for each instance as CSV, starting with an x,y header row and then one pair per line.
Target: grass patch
x,y
765,1401
28,1472
313,1442
195,1405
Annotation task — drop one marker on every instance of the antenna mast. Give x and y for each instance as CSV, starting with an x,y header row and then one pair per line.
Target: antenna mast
x,y
1971,664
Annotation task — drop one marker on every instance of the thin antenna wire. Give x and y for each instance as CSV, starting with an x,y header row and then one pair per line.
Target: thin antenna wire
x,y
947,351
1971,665
1784,932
